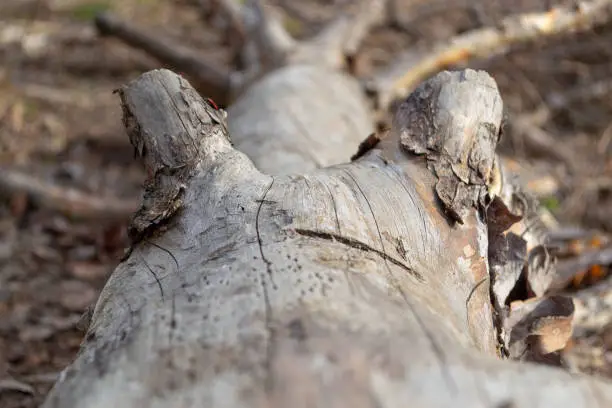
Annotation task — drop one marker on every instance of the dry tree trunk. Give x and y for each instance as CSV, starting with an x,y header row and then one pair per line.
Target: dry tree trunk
x,y
287,279
346,286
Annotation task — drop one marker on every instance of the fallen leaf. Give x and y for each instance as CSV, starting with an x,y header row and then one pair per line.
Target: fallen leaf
x,y
535,328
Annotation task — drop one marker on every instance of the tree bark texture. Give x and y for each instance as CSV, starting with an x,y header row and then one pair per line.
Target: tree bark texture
x,y
300,118
291,278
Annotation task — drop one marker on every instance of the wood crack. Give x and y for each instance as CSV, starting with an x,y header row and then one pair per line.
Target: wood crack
x,y
271,341
159,285
333,200
422,216
353,243
437,350
166,251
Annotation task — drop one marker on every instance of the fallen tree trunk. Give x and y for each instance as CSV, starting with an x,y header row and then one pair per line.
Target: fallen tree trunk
x,y
287,279
345,286
315,117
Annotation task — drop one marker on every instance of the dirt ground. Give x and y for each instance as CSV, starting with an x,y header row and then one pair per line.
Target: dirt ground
x,y
61,124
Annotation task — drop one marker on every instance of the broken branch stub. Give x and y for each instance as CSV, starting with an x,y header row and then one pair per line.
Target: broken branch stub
x,y
343,286
173,137
454,121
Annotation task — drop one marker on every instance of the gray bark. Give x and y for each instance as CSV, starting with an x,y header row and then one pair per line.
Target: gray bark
x,y
314,117
360,284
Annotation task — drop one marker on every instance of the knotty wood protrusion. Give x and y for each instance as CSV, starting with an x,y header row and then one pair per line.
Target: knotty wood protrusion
x,y
342,286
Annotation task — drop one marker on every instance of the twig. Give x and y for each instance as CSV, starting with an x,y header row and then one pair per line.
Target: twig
x,y
413,67
10,384
560,100
57,96
567,269
215,81
584,191
88,61
568,233
68,201
333,46
43,378
370,14
540,141
593,308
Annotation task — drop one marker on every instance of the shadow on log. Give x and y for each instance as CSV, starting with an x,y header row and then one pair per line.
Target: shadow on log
x,y
362,284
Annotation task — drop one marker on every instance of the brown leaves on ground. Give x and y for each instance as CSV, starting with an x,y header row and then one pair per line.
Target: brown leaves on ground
x,y
51,272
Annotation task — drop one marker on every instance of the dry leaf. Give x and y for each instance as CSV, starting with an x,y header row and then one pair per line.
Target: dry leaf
x,y
538,327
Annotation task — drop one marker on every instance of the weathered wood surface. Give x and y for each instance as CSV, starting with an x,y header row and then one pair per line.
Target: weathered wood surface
x,y
300,118
342,286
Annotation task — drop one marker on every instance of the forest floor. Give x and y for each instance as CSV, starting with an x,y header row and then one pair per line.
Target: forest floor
x,y
63,231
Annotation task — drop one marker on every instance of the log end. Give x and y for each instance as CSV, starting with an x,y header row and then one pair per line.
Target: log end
x,y
174,131
454,121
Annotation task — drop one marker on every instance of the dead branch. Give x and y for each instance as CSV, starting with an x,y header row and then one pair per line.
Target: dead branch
x,y
60,96
370,14
401,77
565,233
88,61
593,308
250,290
580,252
11,384
205,74
567,269
598,89
582,191
266,47
273,42
229,10
539,141
23,8
68,201
338,43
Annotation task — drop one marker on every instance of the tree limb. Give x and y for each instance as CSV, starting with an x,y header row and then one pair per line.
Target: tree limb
x,y
68,201
214,80
231,11
344,286
273,42
339,41
409,69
